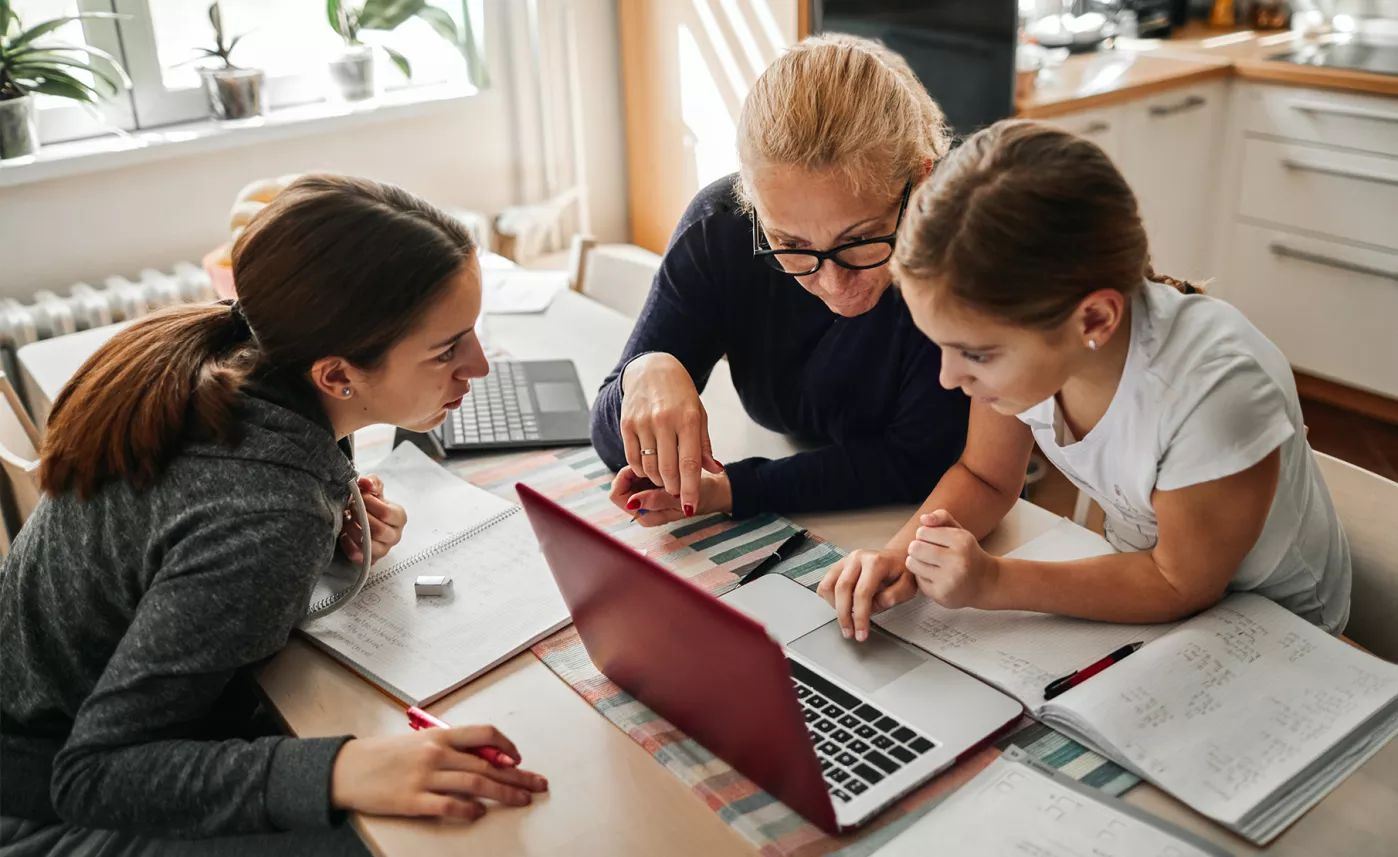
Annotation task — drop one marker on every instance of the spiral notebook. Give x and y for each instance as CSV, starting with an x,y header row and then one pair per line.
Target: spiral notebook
x,y
503,598
1245,712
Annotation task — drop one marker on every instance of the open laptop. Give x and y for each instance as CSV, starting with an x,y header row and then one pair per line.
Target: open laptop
x,y
520,404
836,730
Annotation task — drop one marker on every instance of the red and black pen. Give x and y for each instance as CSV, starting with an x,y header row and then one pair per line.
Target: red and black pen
x,y
1068,682
419,719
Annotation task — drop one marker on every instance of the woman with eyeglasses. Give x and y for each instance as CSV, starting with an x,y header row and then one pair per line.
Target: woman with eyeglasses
x,y
783,268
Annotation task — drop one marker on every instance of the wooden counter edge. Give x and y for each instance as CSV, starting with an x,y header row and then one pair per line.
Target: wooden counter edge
x,y
1211,71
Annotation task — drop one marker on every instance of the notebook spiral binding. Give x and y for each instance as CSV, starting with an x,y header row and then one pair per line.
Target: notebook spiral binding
x,y
426,553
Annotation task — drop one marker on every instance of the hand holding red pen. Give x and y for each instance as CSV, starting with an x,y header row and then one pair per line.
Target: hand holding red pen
x,y
419,720
436,772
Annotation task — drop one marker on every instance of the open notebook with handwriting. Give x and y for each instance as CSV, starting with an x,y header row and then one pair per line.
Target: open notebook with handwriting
x,y
1020,806
503,597
1246,712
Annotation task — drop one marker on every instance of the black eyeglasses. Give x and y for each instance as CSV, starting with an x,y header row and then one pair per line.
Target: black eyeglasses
x,y
855,256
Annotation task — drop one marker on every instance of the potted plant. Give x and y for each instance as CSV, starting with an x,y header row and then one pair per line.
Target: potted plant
x,y
352,73
50,68
234,92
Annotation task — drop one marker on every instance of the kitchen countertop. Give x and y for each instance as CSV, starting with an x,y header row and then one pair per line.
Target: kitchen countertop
x,y
1139,67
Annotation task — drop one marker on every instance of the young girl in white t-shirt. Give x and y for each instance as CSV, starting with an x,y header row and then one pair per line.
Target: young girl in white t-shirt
x,y
1024,258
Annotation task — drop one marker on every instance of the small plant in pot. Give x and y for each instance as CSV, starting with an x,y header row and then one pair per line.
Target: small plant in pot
x,y
234,92
32,64
352,73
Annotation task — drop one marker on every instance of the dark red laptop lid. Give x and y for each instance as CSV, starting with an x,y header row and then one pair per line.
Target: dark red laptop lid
x,y
702,665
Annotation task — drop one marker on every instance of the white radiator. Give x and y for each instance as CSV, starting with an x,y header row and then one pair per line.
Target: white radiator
x,y
85,307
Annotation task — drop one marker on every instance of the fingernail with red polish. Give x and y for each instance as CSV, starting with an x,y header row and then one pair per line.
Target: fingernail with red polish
x,y
688,510
633,504
721,468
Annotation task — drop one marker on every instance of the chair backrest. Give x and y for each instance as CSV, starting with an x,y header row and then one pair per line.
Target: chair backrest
x,y
615,275
1365,502
19,457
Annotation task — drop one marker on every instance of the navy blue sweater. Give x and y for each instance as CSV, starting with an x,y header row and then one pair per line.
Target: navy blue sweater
x,y
863,392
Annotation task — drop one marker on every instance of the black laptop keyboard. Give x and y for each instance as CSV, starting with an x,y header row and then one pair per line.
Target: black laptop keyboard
x,y
497,410
858,744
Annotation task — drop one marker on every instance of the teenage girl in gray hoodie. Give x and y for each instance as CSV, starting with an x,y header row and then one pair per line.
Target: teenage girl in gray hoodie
x,y
197,482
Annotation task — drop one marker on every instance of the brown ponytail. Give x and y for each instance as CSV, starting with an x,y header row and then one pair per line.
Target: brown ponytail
x,y
333,266
1022,222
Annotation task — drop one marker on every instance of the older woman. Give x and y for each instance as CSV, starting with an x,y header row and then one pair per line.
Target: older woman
x,y
783,269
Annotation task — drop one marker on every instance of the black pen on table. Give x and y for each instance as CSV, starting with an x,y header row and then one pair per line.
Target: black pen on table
x,y
785,550
1068,682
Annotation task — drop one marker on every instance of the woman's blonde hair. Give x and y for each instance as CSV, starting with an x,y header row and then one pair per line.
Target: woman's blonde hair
x,y
841,102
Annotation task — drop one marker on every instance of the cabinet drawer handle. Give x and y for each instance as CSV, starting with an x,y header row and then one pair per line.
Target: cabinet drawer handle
x,y
1362,175
1352,112
1189,103
1094,128
1280,249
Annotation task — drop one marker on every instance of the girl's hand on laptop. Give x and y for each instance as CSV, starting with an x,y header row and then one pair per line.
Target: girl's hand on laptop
x,y
950,566
429,773
386,522
666,429
651,506
864,583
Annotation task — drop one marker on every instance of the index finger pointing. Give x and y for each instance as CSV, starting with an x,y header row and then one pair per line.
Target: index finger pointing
x,y
691,464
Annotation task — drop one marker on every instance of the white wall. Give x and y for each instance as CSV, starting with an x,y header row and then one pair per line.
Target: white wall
x,y
84,228
87,227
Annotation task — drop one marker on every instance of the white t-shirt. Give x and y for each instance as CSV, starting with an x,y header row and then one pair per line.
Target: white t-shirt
x,y
1205,395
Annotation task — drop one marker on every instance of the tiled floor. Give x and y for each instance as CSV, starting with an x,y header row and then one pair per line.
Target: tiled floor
x,y
1360,440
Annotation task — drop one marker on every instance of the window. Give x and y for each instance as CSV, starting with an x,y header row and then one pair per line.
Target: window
x,y
290,40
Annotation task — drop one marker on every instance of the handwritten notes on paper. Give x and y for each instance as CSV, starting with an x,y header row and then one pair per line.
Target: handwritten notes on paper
x,y
1011,808
1017,651
1230,707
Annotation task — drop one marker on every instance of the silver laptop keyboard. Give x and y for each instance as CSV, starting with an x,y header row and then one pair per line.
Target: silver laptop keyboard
x,y
498,408
857,743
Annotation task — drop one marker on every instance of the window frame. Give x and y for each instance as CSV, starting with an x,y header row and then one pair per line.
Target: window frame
x,y
149,103
59,123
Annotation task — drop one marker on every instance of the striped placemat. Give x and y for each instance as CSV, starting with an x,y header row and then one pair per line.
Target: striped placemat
x,y
707,551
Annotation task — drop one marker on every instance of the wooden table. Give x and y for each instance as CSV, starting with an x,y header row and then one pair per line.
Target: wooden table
x,y
608,796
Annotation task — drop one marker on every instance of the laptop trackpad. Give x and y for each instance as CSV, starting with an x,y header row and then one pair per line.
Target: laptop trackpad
x,y
868,666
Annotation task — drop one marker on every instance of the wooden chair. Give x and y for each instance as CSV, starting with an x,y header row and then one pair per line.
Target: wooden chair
x,y
19,459
1365,503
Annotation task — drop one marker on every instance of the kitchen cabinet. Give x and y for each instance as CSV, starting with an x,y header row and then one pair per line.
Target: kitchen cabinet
x,y
1310,216
1166,145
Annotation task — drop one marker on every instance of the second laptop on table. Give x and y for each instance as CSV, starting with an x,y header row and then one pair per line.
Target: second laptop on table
x,y
520,404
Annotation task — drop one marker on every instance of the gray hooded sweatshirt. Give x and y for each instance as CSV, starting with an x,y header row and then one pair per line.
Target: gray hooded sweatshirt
x,y
129,623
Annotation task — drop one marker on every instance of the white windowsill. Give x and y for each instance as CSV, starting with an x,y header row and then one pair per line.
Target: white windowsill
x,y
60,160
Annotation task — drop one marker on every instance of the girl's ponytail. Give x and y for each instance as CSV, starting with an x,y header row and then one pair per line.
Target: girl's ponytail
x,y
170,376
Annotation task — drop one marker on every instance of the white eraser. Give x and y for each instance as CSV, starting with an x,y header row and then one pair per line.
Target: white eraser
x,y
432,584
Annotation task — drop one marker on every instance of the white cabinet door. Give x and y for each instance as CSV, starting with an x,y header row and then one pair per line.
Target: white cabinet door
x,y
1330,307
1170,148
1101,126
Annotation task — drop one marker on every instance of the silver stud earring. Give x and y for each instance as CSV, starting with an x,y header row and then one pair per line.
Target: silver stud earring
x,y
347,389
1091,343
